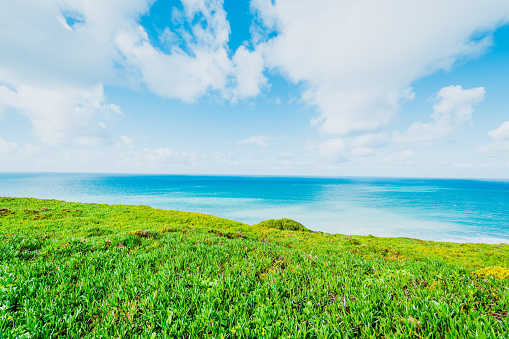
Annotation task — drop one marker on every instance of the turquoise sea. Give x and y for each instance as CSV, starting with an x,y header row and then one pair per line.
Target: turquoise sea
x,y
431,209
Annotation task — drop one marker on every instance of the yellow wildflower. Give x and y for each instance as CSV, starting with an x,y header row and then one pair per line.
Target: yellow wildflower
x,y
496,272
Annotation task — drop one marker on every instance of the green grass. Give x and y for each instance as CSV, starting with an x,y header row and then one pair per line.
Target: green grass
x,y
98,271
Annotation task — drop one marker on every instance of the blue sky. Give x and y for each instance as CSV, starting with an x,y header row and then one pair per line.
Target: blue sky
x,y
260,87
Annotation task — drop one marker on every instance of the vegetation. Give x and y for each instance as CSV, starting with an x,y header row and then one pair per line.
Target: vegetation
x,y
283,224
98,271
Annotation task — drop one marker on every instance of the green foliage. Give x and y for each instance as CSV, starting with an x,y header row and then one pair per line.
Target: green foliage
x,y
99,271
283,224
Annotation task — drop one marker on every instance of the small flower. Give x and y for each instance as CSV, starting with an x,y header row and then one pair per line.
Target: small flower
x,y
496,272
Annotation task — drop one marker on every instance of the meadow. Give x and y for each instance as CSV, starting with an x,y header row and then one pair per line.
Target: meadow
x,y
107,271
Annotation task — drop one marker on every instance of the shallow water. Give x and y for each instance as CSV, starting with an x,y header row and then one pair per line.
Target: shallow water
x,y
431,209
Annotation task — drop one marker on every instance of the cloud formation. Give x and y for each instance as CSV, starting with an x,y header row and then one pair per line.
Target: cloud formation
x,y
333,150
188,73
199,64
357,59
500,145
62,115
354,61
61,52
7,147
258,140
454,106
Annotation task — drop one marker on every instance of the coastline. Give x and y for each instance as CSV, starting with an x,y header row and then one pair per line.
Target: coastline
x,y
438,210
153,219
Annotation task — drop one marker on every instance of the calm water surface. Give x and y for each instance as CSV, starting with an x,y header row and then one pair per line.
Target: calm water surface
x,y
431,209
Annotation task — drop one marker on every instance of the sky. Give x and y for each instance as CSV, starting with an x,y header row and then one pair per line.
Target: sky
x,y
398,88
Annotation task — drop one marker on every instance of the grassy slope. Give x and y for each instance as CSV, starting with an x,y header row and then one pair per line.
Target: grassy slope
x,y
106,271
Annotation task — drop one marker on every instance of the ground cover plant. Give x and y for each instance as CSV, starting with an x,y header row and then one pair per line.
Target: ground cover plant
x,y
100,271
283,224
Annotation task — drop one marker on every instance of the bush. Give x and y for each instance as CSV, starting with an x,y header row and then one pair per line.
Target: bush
x,y
283,224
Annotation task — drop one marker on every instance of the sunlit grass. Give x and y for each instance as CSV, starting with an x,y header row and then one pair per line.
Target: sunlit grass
x,y
90,270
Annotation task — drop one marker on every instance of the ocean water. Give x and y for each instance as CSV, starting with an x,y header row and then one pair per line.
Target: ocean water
x,y
429,209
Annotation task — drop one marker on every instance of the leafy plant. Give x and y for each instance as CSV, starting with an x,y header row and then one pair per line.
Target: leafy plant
x,y
283,224
108,271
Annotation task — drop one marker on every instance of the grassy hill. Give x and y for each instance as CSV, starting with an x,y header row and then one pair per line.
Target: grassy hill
x,y
100,271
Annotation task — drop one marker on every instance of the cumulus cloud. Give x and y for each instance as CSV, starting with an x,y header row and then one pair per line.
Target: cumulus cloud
x,y
61,52
248,72
357,59
501,133
62,115
500,146
202,64
258,140
454,106
180,74
44,49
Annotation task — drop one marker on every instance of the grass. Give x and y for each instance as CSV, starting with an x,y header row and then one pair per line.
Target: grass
x,y
100,271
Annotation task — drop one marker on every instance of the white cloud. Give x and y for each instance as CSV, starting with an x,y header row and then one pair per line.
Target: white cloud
x,y
401,158
501,133
13,149
158,155
355,64
359,146
127,141
333,150
454,106
42,51
500,146
176,75
339,149
7,147
258,140
370,140
62,115
60,53
32,150
201,67
362,152
56,56
357,58
249,76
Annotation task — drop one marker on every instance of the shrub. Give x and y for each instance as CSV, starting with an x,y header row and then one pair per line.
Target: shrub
x,y
283,224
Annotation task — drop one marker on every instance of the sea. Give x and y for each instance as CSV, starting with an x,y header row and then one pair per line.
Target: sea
x,y
429,209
